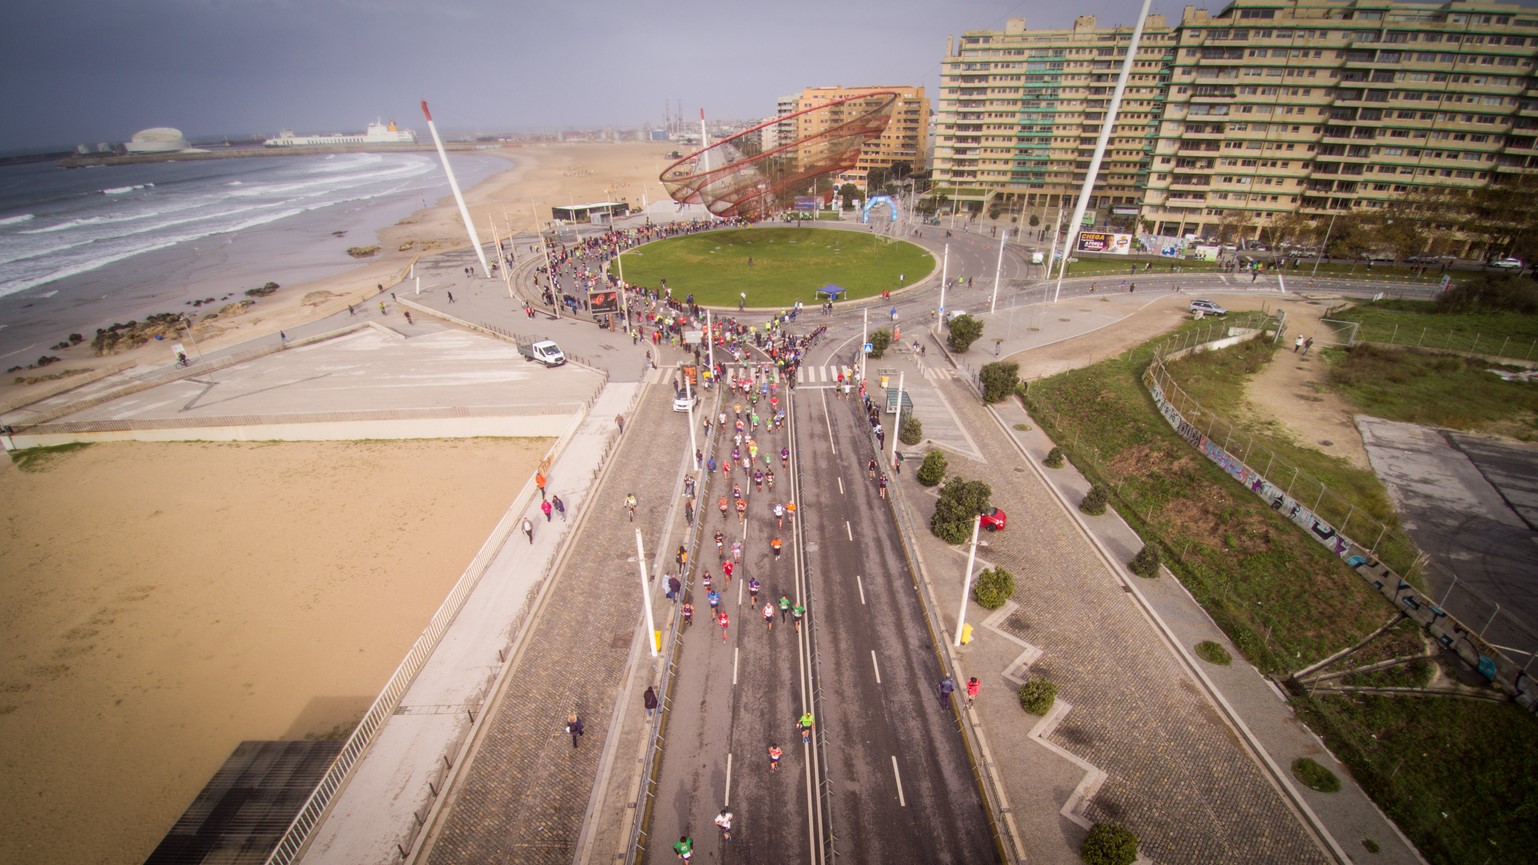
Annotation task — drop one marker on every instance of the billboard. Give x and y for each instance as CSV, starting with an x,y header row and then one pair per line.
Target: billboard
x,y
1103,241
808,202
604,301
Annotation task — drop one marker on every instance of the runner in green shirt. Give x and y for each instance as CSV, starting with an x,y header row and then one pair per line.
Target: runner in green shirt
x,y
684,848
806,727
796,613
784,607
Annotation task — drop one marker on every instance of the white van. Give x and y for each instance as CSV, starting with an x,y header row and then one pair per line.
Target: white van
x,y
1038,257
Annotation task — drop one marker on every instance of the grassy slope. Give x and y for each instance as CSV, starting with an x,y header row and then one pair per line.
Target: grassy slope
x,y
1416,323
789,264
1455,774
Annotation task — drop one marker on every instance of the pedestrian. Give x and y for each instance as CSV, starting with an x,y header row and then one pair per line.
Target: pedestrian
x,y
574,727
681,558
539,481
381,308
687,611
784,606
797,612
1297,344
774,756
947,687
451,297
283,337
806,727
973,686
408,317
528,529
649,699
897,463
675,588
546,509
619,421
723,620
350,310
1307,344
769,615
753,587
560,507
684,848
724,819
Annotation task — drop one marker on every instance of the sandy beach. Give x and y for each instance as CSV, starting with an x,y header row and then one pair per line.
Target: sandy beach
x,y
164,602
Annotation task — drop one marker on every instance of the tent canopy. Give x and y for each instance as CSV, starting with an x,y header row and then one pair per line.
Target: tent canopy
x,y
832,291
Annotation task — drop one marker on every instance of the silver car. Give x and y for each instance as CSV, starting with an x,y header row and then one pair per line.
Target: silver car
x,y
1207,307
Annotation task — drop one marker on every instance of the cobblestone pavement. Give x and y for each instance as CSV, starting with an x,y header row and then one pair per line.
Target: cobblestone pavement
x,y
524,796
1177,774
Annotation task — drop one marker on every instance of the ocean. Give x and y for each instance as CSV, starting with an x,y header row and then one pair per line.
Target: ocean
x,y
115,237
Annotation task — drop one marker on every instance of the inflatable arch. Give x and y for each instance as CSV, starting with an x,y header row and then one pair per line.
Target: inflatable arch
x,y
879,199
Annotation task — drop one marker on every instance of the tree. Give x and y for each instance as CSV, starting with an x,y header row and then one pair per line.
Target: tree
x,y
912,431
965,330
999,380
932,471
877,178
1109,844
880,341
959,505
1034,221
900,171
994,587
850,193
1094,501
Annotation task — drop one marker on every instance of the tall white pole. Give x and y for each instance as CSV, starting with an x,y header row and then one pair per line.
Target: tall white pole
x,y
998,269
544,250
864,338
945,277
1323,247
464,212
694,446
897,425
646,601
507,272
1100,144
966,581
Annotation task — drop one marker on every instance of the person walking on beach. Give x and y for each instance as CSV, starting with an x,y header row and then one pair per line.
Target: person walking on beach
x,y
574,727
528,529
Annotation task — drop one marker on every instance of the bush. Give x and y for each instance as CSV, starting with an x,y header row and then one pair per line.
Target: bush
x,y
912,431
879,342
1035,220
932,471
965,330
958,508
1109,844
1037,696
1094,501
1146,562
999,380
1314,776
1054,459
994,587
1213,653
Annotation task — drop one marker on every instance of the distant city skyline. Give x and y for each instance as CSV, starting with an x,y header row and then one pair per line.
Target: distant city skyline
x,y
87,71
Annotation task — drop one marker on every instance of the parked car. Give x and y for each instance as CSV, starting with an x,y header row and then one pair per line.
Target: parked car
x,y
1507,263
1207,307
953,314
685,400
995,520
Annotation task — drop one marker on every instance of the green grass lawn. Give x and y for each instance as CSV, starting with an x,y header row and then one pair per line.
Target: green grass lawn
x,y
1417,323
1445,390
1456,774
789,264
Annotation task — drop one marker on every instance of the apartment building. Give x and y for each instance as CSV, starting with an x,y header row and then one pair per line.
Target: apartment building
x,y
1020,112
1273,107
906,138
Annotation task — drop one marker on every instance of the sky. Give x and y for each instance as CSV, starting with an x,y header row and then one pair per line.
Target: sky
x,y
86,71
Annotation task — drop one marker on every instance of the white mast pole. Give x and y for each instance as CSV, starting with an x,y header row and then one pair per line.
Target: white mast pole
x,y
459,198
1100,144
998,269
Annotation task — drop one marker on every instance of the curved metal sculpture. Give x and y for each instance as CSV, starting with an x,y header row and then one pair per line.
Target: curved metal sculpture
x,y
737,176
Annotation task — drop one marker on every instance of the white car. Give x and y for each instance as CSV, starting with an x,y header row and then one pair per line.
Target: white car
x,y
1507,263
953,314
685,401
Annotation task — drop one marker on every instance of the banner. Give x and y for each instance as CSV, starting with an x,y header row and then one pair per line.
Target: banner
x,y
604,301
1102,241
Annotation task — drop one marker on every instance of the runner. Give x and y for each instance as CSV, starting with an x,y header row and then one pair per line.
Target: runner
x,y
714,598
724,620
779,515
774,756
790,510
726,570
882,485
775,543
784,606
684,848
688,614
753,587
768,615
870,468
796,612
724,820
742,511
784,457
806,727
737,552
720,538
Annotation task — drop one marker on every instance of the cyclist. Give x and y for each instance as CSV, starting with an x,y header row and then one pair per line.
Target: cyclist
x,y
630,505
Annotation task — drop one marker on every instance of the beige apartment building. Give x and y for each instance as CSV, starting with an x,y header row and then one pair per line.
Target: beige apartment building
x,y
906,138
1318,107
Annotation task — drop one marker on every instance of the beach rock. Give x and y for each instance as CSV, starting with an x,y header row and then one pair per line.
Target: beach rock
x,y
362,251
407,245
316,298
230,310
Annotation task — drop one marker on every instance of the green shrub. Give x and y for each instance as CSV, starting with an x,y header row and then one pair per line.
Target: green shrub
x,y
1109,844
912,431
957,510
880,341
1035,220
1314,776
994,587
932,471
999,380
1054,458
964,331
1147,561
1094,501
1037,696
1213,653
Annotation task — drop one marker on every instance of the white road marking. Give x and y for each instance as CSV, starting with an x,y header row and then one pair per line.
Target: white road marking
x,y
875,666
848,531
727,799
861,584
736,655
895,774
840,486
827,419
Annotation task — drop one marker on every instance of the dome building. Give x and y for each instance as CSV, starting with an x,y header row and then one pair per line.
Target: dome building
x,y
161,139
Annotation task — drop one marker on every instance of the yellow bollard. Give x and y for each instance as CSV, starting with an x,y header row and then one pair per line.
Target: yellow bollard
x,y
883,381
657,638
966,633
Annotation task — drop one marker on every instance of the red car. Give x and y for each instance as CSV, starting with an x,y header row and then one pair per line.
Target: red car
x,y
995,520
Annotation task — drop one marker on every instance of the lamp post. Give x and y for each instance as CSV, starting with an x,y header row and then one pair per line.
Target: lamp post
x,y
646,601
966,581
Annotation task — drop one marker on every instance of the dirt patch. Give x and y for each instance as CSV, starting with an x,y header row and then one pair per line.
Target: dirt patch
x,y
1292,391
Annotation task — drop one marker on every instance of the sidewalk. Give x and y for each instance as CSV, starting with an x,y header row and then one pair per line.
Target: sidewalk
x,y
1142,733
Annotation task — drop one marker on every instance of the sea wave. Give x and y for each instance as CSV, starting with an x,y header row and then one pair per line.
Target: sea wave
x,y
119,190
17,219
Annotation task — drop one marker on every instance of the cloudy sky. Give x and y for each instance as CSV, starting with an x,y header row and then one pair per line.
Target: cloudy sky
x,y
75,71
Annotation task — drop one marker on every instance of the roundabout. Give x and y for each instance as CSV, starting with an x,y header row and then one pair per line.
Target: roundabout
x,y
775,267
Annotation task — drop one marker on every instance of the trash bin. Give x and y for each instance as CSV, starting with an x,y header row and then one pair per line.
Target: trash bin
x,y
966,633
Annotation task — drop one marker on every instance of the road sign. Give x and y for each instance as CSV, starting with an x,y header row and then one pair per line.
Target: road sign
x,y
869,347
